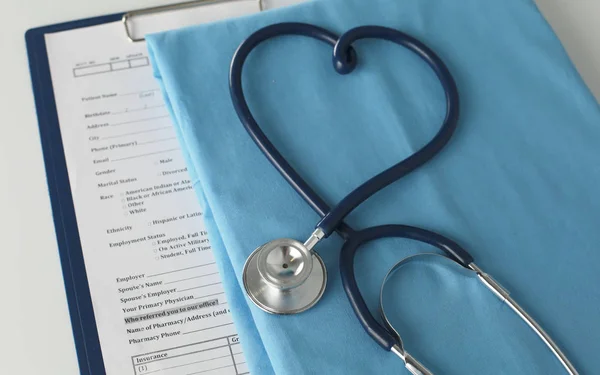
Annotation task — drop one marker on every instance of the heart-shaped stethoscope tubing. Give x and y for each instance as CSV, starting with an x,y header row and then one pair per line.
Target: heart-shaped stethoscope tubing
x,y
280,276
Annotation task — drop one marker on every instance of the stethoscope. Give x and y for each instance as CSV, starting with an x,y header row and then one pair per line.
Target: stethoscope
x,y
286,276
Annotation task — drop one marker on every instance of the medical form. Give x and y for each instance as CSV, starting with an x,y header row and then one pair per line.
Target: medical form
x,y
156,290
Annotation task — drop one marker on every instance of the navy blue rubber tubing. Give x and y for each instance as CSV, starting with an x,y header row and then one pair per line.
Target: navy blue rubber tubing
x,y
344,61
379,333
243,111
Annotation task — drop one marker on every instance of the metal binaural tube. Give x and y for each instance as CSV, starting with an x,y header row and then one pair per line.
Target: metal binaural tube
x,y
415,367
314,239
503,294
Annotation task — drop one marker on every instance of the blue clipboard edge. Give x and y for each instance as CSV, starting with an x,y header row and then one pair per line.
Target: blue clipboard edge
x,y
83,323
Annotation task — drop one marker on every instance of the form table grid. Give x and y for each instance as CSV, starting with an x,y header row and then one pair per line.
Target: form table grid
x,y
217,356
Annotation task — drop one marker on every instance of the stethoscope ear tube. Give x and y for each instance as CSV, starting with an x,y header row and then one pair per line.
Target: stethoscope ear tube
x,y
411,363
344,60
387,338
378,333
386,335
249,122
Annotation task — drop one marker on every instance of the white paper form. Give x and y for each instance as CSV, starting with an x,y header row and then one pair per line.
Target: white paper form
x,y
155,288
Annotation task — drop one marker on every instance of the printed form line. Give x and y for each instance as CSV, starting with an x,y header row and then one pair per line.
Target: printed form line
x,y
209,295
140,120
144,155
139,92
204,329
187,364
190,278
198,287
137,109
182,269
157,140
212,369
140,132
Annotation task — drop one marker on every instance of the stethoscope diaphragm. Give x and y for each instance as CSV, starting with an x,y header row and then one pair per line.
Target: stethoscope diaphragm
x,y
284,277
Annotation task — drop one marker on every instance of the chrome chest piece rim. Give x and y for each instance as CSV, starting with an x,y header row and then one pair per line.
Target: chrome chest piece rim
x,y
284,277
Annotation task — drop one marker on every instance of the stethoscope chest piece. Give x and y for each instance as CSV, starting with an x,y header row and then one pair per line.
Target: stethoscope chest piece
x,y
284,277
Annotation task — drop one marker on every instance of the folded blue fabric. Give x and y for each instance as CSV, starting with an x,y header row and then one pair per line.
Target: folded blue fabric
x,y
517,186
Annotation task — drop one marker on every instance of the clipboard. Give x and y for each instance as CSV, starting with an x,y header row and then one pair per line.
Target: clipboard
x,y
83,323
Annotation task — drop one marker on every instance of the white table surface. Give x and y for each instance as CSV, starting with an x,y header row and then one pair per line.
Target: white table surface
x,y
35,331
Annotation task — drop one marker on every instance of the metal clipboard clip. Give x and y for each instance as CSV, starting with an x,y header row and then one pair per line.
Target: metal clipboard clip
x,y
166,8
